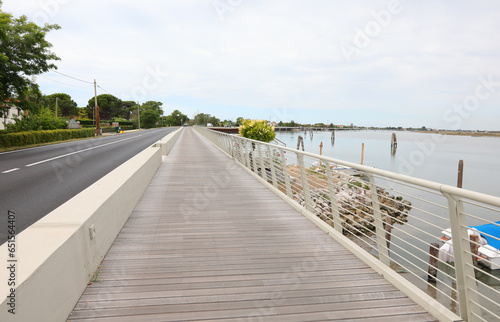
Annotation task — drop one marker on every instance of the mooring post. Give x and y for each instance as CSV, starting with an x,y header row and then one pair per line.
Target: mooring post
x,y
362,152
320,152
333,137
433,262
388,229
394,141
300,141
474,247
460,173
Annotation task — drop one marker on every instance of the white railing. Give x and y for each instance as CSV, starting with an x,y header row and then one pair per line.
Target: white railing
x,y
399,219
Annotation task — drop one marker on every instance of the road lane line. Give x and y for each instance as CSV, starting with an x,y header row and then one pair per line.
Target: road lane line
x,y
11,170
68,154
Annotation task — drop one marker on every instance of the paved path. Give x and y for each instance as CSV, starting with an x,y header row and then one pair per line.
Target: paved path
x,y
209,242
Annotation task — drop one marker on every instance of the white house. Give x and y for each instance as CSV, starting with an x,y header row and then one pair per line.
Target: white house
x,y
8,113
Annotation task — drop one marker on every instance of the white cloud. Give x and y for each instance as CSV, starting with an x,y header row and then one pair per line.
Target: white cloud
x,y
274,54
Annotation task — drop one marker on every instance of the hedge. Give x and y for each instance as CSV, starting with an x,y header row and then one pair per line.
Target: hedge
x,y
36,137
92,122
113,129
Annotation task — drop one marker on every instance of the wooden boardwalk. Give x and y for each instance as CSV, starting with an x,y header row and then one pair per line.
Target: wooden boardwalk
x,y
209,242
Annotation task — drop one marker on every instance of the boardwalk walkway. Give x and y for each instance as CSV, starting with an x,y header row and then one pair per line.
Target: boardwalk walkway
x,y
209,242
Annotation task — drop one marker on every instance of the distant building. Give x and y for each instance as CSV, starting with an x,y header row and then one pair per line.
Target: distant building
x,y
8,113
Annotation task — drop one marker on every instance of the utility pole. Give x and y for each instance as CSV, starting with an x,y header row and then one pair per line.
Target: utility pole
x,y
57,98
97,118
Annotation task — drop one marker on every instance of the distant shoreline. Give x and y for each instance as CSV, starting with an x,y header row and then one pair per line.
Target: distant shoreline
x,y
463,133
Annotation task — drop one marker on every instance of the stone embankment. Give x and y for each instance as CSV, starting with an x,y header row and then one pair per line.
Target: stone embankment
x,y
353,200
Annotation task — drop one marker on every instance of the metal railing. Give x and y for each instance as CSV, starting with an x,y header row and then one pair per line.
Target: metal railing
x,y
397,218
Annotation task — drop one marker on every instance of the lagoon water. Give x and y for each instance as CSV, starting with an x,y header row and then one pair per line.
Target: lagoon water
x,y
432,157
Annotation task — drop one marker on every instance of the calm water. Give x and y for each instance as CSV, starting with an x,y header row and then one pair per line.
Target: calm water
x,y
427,156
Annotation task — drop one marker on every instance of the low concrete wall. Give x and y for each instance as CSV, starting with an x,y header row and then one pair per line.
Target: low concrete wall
x,y
58,255
168,142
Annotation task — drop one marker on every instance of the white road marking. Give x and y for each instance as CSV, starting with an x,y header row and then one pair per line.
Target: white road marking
x,y
68,154
11,170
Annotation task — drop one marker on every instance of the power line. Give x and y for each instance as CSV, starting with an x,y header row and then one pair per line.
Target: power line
x,y
81,80
55,71
63,83
104,90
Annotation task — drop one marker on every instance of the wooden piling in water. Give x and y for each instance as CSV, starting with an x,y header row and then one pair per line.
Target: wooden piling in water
x,y
320,151
433,262
362,152
460,173
388,229
300,140
394,144
474,249
394,141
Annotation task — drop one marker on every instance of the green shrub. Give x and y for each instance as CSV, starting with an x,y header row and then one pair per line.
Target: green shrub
x,y
36,137
44,120
257,130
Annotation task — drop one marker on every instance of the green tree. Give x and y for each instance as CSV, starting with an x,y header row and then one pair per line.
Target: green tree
x,y
109,106
82,113
151,112
201,119
153,106
24,52
129,108
239,121
65,105
176,118
215,121
149,118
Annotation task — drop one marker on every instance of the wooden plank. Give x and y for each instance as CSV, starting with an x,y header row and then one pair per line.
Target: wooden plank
x,y
208,242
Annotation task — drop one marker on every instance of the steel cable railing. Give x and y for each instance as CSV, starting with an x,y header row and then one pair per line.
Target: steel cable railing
x,y
396,218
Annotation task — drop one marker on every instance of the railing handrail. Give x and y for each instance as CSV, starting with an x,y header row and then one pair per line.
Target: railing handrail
x,y
441,187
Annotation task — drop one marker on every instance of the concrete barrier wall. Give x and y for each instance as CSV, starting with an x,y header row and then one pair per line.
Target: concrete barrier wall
x,y
58,255
168,142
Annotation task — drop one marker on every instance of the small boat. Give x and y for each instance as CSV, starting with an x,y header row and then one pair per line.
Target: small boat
x,y
489,239
347,170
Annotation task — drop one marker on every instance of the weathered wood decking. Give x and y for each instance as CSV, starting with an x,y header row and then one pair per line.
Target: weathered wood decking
x,y
209,242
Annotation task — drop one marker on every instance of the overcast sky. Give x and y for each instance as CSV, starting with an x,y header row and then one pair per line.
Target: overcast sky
x,y
371,63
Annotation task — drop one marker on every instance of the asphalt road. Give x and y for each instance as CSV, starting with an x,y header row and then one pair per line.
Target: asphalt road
x,y
35,181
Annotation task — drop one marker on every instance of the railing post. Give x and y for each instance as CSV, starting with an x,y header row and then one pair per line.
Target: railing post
x,y
247,156
383,251
337,222
464,269
273,172
262,165
285,174
231,146
305,183
241,156
254,159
